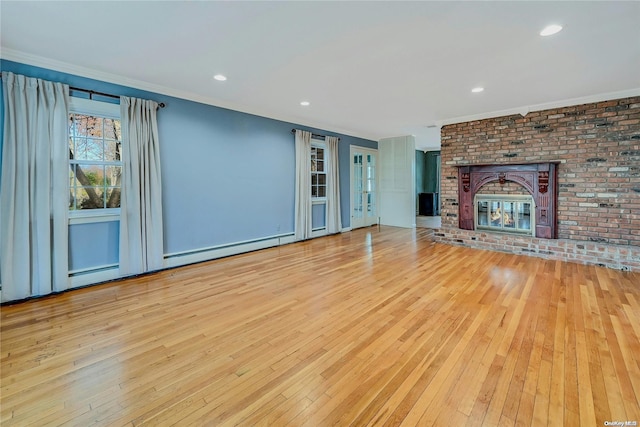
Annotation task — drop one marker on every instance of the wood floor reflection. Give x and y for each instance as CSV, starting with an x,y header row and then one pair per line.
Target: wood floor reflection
x,y
371,327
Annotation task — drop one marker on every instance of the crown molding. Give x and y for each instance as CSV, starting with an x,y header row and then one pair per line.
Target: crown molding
x,y
65,67
524,110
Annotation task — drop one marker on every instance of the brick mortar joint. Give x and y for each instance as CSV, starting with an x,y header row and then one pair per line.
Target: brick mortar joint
x,y
622,257
485,141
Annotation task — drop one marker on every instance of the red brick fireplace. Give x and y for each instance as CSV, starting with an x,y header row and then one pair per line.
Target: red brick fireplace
x,y
592,154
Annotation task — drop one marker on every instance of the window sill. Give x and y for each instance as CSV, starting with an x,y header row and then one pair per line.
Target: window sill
x,y
319,201
93,217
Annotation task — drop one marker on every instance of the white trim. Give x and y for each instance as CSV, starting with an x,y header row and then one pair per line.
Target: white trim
x,y
94,276
177,259
94,108
319,232
82,271
524,110
92,217
363,150
319,143
65,67
99,109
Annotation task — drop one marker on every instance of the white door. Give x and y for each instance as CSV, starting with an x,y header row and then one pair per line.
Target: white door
x,y
397,192
364,187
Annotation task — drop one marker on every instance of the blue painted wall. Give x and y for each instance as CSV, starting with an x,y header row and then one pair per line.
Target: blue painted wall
x,y
318,215
431,177
103,254
427,171
227,176
420,174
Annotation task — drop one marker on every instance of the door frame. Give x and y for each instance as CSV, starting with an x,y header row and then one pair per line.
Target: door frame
x,y
364,150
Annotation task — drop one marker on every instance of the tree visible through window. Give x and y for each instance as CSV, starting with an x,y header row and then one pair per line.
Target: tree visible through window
x,y
95,162
318,172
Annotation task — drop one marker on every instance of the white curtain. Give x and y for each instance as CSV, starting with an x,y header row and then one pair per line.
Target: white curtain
x,y
334,222
303,185
34,188
141,236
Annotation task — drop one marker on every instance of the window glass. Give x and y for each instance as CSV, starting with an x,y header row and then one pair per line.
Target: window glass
x,y
318,172
95,162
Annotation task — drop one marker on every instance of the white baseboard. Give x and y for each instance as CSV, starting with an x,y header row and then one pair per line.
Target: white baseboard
x,y
206,254
86,277
91,277
318,233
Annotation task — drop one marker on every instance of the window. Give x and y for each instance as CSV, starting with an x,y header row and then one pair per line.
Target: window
x,y
318,172
95,161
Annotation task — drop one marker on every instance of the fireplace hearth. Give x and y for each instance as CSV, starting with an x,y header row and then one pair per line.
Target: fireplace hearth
x,y
533,215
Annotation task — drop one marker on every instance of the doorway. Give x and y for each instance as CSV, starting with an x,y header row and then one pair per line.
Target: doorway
x,y
428,189
364,187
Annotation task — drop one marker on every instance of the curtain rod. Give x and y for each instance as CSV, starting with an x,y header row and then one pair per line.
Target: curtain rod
x,y
313,134
108,95
94,92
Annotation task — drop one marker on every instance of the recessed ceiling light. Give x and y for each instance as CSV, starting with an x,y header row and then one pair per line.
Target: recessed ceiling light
x,y
550,30
220,77
477,89
305,103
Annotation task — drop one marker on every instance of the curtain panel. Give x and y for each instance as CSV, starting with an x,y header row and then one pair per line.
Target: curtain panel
x,y
141,234
334,221
303,185
34,188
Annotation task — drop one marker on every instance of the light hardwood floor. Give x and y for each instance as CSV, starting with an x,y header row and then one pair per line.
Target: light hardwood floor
x,y
365,328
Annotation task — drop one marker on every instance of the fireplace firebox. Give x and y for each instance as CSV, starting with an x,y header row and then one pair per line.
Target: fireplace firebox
x,y
506,212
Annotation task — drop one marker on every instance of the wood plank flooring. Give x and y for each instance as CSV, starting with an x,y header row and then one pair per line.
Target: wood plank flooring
x,y
372,327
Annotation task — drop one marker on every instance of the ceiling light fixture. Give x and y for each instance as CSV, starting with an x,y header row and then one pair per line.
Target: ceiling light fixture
x,y
220,77
305,103
550,30
477,89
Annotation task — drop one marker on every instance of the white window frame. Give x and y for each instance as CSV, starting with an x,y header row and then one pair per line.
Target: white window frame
x,y
319,143
101,109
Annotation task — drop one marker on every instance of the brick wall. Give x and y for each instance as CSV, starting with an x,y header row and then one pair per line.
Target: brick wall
x,y
598,147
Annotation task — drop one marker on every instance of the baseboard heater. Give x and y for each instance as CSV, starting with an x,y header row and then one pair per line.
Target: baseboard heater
x,y
177,259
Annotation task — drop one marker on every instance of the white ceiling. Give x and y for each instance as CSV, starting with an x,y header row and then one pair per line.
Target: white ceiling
x,y
369,69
